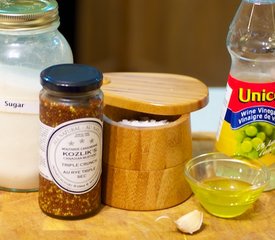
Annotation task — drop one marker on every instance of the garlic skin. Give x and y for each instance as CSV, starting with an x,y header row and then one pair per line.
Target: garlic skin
x,y
190,222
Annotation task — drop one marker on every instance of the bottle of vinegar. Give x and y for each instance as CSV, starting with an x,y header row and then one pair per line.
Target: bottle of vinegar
x,y
247,126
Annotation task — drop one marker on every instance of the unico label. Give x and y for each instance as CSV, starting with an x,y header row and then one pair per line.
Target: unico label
x,y
247,126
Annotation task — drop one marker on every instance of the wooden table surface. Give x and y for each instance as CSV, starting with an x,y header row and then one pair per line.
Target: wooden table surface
x,y
21,218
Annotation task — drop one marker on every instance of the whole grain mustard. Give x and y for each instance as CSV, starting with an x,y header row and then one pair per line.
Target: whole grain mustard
x,y
71,113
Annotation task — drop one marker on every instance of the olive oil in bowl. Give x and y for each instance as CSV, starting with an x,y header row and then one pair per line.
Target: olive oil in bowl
x,y
225,197
226,187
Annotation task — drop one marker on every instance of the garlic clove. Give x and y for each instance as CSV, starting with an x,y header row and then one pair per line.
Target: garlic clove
x,y
190,222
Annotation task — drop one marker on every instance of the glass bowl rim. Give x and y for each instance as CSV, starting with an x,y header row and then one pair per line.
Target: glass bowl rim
x,y
245,161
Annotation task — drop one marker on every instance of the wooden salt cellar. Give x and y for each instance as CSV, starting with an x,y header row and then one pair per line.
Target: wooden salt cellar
x,y
143,166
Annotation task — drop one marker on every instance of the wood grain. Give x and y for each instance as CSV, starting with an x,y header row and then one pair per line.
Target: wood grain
x,y
143,166
146,148
144,190
21,218
156,93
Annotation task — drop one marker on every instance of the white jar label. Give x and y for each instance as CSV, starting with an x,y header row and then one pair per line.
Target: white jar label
x,y
71,154
19,106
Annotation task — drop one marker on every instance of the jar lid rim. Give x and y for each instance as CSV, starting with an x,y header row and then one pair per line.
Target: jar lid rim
x,y
25,14
71,78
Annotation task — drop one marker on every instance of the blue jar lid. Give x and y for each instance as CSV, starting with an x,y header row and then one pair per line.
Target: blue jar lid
x,y
71,78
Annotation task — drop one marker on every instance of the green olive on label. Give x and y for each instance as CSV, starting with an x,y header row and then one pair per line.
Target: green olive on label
x,y
254,139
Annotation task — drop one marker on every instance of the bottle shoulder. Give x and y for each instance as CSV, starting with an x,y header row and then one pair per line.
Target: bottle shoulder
x,y
252,31
252,77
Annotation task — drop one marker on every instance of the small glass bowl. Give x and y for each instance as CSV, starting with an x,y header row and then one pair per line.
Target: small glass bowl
x,y
226,187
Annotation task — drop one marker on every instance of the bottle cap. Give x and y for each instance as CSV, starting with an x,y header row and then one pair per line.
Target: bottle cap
x,y
22,15
71,78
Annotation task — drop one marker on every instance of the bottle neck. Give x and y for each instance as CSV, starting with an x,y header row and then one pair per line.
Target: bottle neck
x,y
252,32
251,41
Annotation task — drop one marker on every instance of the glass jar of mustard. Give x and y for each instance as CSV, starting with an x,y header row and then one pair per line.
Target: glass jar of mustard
x,y
71,115
29,42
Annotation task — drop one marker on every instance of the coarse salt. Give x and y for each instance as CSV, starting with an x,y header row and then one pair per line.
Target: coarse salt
x,y
144,123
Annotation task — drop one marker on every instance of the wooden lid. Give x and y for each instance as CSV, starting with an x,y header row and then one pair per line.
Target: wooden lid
x,y
154,93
